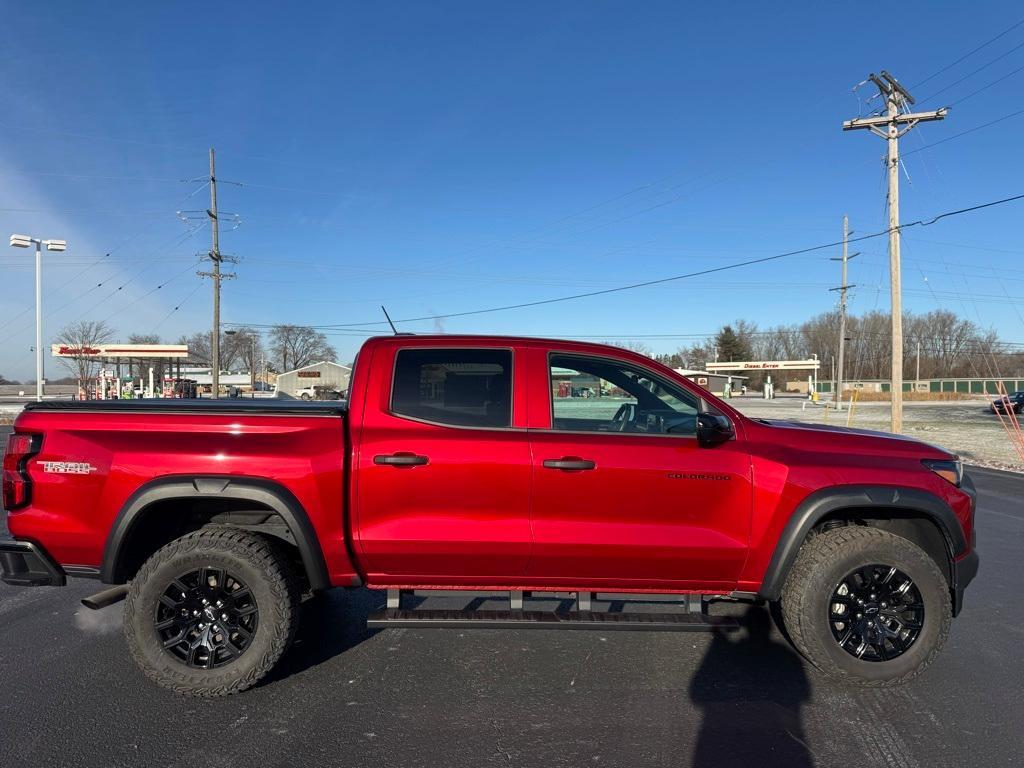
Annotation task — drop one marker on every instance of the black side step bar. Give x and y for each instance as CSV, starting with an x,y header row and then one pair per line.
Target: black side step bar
x,y
442,619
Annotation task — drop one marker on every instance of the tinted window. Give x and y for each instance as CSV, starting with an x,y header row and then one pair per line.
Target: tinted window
x,y
590,394
461,387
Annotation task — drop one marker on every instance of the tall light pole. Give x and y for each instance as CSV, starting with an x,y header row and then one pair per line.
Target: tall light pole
x,y
25,241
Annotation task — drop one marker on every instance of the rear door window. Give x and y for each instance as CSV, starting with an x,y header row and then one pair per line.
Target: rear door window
x,y
457,387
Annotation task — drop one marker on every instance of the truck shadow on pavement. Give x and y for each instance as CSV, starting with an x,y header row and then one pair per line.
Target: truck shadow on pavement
x,y
751,688
330,624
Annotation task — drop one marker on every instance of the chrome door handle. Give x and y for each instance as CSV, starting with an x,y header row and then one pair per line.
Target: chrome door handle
x,y
569,463
401,460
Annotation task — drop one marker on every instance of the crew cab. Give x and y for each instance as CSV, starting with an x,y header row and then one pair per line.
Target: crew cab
x,y
478,464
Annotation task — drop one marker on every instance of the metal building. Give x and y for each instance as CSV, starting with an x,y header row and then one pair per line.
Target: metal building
x,y
326,375
713,382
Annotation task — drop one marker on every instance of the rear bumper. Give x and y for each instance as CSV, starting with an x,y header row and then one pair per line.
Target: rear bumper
x,y
26,564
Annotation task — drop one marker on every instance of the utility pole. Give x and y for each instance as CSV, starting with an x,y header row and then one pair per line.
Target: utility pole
x,y
917,377
844,286
892,126
216,257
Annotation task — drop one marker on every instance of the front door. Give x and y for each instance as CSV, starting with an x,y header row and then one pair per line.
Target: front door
x,y
623,493
443,475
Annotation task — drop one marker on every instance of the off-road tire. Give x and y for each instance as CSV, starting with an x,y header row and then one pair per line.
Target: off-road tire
x,y
828,557
263,568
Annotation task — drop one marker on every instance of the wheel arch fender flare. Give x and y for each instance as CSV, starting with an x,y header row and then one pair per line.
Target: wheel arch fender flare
x,y
883,498
268,493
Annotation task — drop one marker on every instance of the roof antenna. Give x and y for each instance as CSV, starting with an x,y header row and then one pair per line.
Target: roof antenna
x,y
393,329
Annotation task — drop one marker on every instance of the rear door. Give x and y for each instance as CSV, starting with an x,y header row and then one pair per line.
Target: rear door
x,y
443,467
623,493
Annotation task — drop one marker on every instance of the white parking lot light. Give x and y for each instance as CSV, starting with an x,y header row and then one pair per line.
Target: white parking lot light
x,y
25,241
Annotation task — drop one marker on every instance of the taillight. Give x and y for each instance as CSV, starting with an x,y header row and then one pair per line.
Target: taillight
x,y
17,484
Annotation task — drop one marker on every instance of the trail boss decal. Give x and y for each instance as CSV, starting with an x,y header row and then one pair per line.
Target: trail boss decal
x,y
68,467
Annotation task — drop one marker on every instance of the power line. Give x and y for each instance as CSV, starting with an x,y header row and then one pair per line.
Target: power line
x,y
105,258
1011,347
968,55
972,73
116,212
91,177
177,240
178,306
964,133
660,281
151,291
986,87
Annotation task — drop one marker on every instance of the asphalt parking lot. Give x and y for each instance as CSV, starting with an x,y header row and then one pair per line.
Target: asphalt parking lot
x,y
347,696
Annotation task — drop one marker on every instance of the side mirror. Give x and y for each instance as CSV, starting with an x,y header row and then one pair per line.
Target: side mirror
x,y
713,429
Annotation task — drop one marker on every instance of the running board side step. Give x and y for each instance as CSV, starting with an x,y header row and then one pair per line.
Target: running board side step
x,y
441,619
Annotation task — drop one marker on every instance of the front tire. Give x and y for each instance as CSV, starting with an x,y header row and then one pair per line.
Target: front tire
x,y
866,606
211,613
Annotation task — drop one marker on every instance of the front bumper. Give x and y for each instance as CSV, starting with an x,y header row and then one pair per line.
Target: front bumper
x,y
964,571
26,564
966,567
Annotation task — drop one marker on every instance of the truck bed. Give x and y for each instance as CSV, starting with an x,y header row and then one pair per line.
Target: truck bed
x,y
268,406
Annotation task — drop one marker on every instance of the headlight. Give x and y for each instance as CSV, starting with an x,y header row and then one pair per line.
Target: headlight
x,y
951,470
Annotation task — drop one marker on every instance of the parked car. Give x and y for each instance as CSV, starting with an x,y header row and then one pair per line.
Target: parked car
x,y
457,465
306,393
1007,403
319,392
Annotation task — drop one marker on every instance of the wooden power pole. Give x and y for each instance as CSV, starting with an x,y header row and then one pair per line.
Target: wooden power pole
x,y
892,126
843,288
215,258
217,276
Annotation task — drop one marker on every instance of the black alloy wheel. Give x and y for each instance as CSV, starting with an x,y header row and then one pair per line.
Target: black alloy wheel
x,y
206,618
876,613
211,613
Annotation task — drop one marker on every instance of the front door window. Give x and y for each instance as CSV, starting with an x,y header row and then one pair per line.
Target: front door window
x,y
592,394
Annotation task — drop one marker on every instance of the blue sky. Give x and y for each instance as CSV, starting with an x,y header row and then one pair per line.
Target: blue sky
x,y
445,157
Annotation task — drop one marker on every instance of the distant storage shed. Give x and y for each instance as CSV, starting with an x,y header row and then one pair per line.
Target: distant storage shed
x,y
323,374
713,382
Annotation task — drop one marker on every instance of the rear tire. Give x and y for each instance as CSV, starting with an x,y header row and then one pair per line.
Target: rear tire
x,y
211,613
898,604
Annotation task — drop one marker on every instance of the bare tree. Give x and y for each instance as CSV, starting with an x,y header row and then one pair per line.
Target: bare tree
x,y
234,348
294,346
633,346
199,353
81,336
696,356
243,344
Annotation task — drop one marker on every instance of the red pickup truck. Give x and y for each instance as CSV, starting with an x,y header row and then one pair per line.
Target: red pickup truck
x,y
476,463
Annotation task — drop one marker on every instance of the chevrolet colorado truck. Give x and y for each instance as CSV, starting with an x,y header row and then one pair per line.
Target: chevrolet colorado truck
x,y
472,463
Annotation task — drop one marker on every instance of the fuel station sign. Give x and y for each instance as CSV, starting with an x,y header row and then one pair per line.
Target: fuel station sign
x,y
115,351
